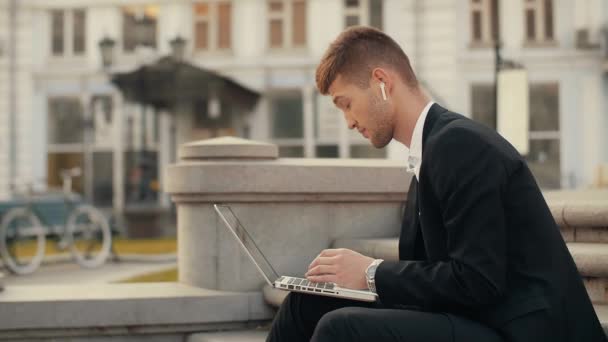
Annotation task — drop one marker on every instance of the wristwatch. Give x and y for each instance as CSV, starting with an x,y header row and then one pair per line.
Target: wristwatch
x,y
370,274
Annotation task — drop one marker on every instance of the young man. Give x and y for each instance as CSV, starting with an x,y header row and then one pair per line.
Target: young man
x,y
481,258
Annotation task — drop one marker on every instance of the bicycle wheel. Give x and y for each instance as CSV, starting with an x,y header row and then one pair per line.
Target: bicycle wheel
x,y
22,241
89,236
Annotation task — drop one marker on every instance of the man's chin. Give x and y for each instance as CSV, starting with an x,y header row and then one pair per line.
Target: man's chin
x,y
380,144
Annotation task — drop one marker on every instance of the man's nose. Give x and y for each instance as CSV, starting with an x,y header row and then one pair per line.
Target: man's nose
x,y
350,122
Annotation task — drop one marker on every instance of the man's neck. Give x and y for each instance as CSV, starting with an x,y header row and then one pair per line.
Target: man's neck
x,y
409,108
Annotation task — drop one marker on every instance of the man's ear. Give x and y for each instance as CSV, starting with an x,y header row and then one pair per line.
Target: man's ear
x,y
380,75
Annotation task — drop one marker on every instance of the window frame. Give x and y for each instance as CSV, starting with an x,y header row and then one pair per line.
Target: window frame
x,y
486,12
286,15
362,12
546,134
69,33
213,26
141,8
538,7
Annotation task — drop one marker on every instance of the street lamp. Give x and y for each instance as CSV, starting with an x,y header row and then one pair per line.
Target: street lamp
x,y
178,48
106,45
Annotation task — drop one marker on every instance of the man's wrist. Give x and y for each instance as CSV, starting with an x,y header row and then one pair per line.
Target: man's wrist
x,y
370,274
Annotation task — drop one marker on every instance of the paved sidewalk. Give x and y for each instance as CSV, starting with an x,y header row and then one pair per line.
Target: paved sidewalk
x,y
71,273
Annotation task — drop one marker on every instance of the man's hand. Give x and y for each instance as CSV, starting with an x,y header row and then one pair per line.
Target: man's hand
x,y
342,266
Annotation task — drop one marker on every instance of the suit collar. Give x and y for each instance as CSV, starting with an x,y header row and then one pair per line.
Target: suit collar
x,y
434,113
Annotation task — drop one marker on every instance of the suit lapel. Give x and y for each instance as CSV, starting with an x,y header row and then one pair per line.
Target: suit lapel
x,y
410,224
411,243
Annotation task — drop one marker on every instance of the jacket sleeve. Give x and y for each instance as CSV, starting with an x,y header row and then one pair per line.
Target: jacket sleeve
x,y
467,175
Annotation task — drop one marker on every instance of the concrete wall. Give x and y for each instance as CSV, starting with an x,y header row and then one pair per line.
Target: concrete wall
x,y
293,208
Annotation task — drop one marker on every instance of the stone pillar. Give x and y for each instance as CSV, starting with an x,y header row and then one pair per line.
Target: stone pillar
x,y
309,129
293,208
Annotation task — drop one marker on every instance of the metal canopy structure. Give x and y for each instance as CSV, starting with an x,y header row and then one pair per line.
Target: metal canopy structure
x,y
169,81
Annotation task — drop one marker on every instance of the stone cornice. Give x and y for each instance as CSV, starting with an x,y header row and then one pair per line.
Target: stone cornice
x,y
332,179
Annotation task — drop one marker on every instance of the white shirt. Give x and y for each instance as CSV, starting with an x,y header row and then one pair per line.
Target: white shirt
x,y
415,158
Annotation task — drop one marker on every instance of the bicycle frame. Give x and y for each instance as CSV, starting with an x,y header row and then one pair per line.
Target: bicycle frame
x,y
53,231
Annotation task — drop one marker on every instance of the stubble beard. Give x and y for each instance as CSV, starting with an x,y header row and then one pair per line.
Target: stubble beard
x,y
383,132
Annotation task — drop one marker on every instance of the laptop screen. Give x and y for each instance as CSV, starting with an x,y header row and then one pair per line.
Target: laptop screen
x,y
237,229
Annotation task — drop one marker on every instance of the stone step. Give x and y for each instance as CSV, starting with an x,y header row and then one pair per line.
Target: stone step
x,y
591,260
597,234
582,214
602,314
253,335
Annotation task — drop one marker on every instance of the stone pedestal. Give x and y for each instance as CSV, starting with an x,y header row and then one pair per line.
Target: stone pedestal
x,y
293,208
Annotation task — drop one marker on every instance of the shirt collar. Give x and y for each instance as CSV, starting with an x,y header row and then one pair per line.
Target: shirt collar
x,y
415,158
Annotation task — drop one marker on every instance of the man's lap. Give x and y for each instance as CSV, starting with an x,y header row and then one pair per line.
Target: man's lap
x,y
330,319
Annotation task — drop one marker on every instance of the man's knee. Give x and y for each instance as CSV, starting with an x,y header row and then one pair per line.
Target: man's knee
x,y
295,304
337,325
302,302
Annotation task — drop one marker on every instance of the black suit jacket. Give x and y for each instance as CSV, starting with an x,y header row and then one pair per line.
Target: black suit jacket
x,y
478,240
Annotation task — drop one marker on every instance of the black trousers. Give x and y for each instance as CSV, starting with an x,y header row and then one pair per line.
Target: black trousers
x,y
304,317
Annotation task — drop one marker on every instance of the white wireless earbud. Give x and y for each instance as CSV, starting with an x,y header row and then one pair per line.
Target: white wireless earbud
x,y
383,91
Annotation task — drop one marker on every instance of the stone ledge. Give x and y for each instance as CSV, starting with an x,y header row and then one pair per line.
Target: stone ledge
x,y
602,314
124,308
274,296
587,208
228,147
256,335
585,234
591,258
314,176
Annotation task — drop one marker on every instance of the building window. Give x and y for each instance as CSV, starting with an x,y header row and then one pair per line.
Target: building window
x,y
139,26
65,120
538,21
363,12
287,123
287,117
65,139
79,31
484,22
326,151
287,23
57,32
68,32
544,155
483,104
213,25
71,143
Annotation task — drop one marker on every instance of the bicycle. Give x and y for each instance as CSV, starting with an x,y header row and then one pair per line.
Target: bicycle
x,y
24,229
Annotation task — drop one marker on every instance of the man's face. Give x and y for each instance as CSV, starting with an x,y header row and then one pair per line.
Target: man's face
x,y
365,110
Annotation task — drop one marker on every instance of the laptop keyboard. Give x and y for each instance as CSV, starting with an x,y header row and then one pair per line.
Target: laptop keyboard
x,y
305,282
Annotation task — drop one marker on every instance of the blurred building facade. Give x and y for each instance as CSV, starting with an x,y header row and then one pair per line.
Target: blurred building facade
x,y
58,108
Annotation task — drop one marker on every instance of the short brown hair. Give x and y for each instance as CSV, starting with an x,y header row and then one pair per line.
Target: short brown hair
x,y
354,55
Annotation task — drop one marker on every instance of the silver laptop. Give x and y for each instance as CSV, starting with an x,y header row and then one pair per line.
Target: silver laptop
x,y
270,275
